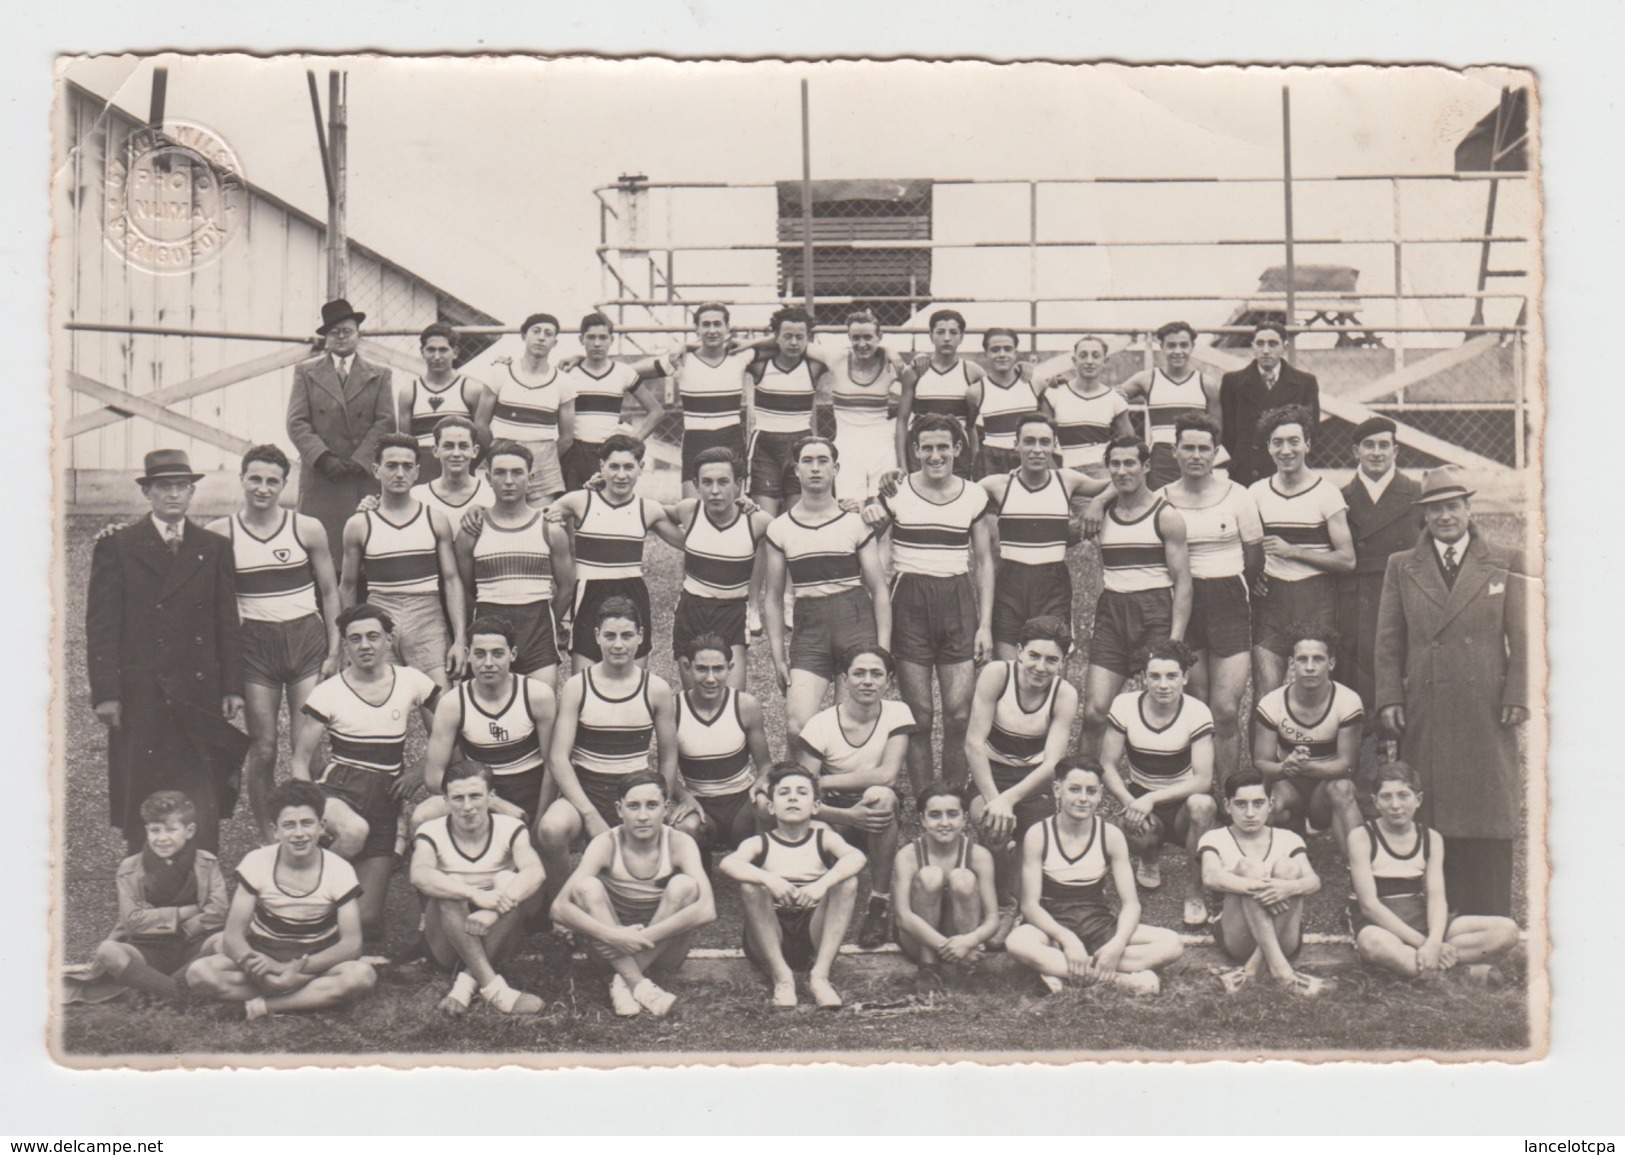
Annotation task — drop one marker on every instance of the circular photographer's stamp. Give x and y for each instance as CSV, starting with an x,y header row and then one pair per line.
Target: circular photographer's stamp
x,y
175,197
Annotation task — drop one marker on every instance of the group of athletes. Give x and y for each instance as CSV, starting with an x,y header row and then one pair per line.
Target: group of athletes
x,y
923,549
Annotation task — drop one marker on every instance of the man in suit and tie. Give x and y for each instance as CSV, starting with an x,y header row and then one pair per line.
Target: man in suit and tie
x,y
1383,519
339,408
165,657
1246,394
1453,685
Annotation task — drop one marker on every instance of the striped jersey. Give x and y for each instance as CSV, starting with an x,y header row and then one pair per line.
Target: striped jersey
x,y
287,925
1002,407
429,405
1083,425
359,733
504,739
1017,736
512,565
1214,534
401,559
798,863
823,558
1168,400
635,890
480,497
528,413
1301,519
843,753
933,538
274,580
1280,845
1073,876
862,407
783,397
613,735
713,395
1033,523
1159,757
477,869
718,560
1343,709
1399,875
1132,557
598,398
713,757
944,392
609,539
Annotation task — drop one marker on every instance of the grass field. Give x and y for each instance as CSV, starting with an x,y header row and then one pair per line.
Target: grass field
x,y
724,1008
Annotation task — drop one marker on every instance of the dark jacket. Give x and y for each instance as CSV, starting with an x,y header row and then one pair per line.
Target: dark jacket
x,y
1243,400
346,421
162,637
1379,530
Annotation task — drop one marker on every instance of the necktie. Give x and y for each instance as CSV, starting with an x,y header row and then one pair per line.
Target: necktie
x,y
172,538
344,372
1451,565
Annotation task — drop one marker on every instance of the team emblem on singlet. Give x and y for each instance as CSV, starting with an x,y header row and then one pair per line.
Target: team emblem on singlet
x,y
499,733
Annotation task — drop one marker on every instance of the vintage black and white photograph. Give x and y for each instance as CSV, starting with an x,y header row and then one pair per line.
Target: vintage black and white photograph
x,y
615,562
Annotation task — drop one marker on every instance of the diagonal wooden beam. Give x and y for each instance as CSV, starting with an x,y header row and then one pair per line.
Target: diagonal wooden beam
x,y
1418,371
184,391
384,355
157,414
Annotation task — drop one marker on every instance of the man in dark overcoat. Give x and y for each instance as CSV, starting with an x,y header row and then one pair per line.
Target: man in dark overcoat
x,y
339,408
165,658
1247,394
1383,519
1453,685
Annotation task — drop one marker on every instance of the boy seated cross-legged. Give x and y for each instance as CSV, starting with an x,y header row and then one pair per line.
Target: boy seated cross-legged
x,y
475,868
798,883
1263,871
1401,914
292,940
637,897
947,907
1069,932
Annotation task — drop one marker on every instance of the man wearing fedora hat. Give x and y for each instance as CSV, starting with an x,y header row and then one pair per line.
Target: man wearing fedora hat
x,y
339,408
165,658
1453,686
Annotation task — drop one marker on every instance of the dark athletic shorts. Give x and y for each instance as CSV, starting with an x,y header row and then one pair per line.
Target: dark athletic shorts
x,y
796,925
169,954
1088,918
1412,910
733,815
367,792
826,627
1030,811
277,654
933,619
1312,601
603,791
991,461
1126,625
579,463
1162,469
771,469
697,441
696,615
1166,813
593,593
523,790
1022,592
1221,621
536,644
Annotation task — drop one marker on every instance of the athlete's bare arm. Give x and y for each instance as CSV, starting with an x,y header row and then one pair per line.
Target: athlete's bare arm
x,y
448,718
874,580
1174,550
562,557
558,757
355,540
451,588
663,705
664,521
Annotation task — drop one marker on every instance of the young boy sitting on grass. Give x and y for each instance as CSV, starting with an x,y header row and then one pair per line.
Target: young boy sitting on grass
x,y
1263,872
1070,932
171,898
947,906
798,883
1401,915
293,934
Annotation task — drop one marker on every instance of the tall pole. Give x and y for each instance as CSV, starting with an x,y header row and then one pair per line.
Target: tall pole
x,y
806,203
1286,179
338,246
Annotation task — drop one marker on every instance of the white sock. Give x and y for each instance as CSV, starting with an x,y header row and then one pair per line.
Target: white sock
x,y
255,1008
463,988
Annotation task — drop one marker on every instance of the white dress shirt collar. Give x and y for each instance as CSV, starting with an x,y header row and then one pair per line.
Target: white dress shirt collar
x,y
1460,546
1375,489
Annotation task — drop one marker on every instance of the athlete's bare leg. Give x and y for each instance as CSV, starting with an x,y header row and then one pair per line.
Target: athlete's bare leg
x,y
1100,686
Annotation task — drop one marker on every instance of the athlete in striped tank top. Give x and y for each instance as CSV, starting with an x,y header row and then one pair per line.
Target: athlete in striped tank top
x,y
1007,395
947,907
1069,932
942,383
1020,728
1145,593
710,382
863,387
779,406
406,552
1034,523
720,736
613,717
282,560
440,393
1174,390
594,393
531,405
1088,412
1158,757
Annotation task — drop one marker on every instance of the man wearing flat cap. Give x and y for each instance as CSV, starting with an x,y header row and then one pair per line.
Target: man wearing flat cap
x,y
1453,685
1383,519
164,657
339,408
